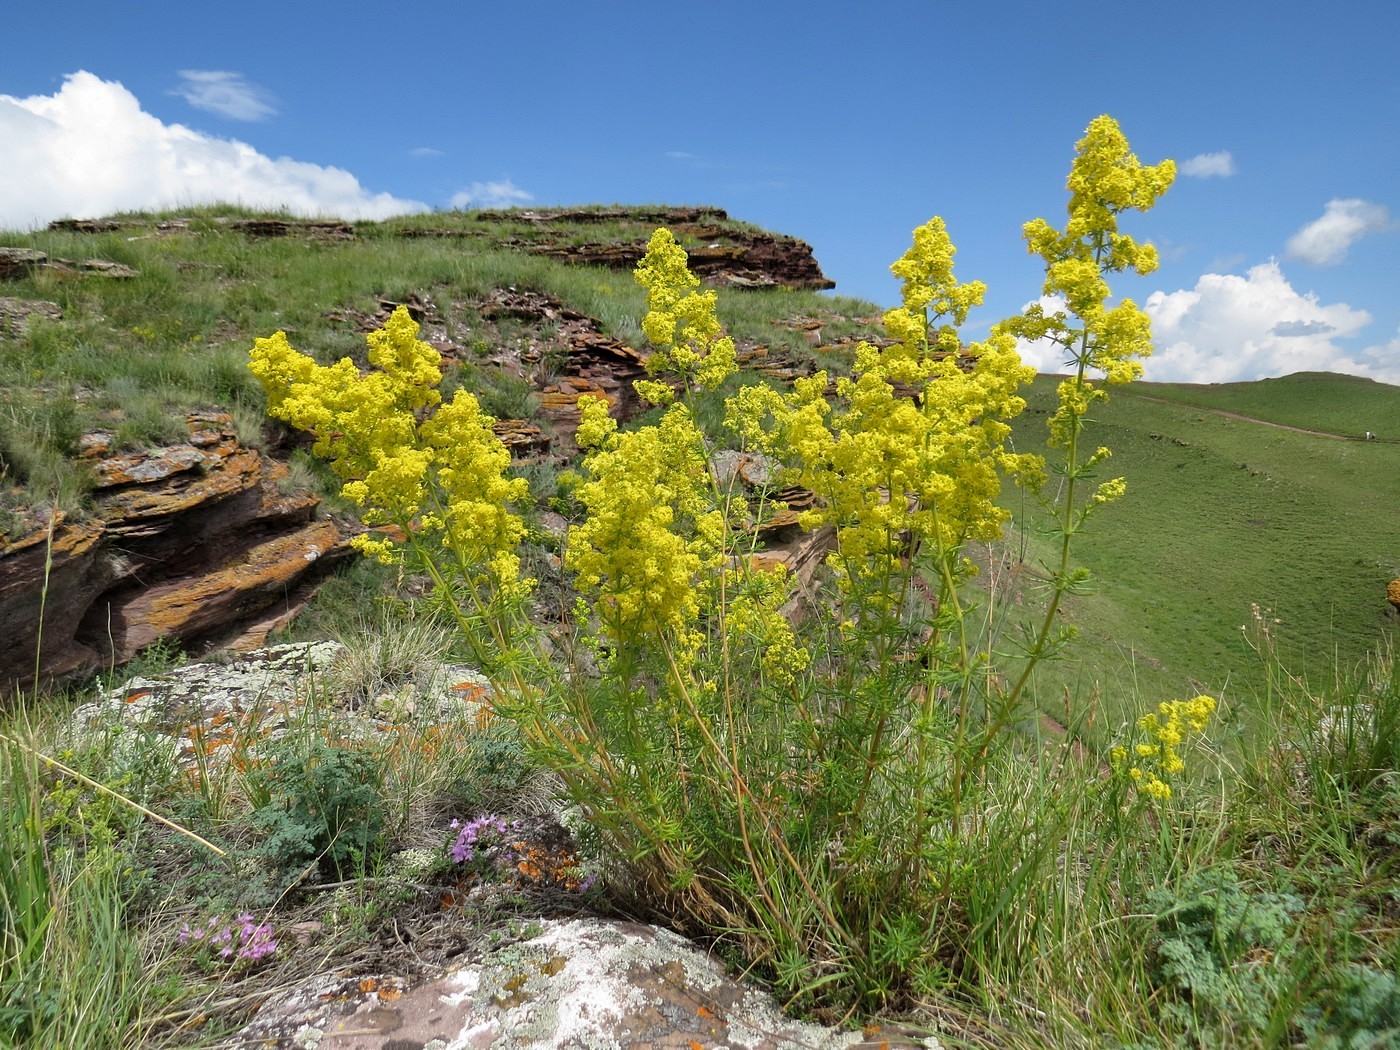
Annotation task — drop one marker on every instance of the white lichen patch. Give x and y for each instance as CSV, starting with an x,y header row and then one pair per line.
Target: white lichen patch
x,y
590,990
212,712
583,984
277,675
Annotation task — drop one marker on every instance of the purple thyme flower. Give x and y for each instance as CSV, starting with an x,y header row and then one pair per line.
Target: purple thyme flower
x,y
246,939
471,834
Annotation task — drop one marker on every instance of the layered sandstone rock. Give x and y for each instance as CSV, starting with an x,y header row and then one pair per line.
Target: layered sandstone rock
x,y
16,314
194,542
590,362
747,260
16,263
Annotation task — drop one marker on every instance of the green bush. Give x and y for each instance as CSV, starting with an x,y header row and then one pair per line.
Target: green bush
x,y
1220,952
317,801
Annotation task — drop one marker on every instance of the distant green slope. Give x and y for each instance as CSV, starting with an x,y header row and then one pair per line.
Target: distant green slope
x,y
1221,514
1312,400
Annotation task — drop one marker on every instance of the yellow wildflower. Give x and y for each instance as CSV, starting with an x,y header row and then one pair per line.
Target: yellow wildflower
x,y
651,533
681,325
1159,757
438,477
753,602
1105,180
886,465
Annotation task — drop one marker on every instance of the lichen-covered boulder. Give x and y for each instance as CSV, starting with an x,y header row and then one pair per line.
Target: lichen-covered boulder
x,y
213,712
579,983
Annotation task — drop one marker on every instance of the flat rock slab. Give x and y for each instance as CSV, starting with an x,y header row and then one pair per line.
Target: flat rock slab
x,y
580,983
15,314
212,713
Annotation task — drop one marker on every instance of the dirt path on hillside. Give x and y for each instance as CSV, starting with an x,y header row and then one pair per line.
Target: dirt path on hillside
x,y
1264,422
1252,419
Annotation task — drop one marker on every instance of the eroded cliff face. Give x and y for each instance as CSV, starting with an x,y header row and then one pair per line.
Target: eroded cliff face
x,y
194,542
728,258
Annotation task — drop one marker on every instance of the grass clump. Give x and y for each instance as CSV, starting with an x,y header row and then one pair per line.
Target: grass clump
x,y
73,971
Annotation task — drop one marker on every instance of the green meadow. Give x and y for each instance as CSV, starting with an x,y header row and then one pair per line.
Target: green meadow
x,y
1224,516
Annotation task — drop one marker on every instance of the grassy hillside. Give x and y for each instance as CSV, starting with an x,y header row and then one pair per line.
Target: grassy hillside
x,y
133,354
1310,400
1223,514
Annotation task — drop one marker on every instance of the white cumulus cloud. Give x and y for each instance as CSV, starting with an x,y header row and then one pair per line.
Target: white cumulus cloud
x,y
1384,360
499,194
1206,165
1325,241
89,149
227,94
1231,328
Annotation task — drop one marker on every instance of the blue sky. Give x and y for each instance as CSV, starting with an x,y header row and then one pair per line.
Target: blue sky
x,y
846,124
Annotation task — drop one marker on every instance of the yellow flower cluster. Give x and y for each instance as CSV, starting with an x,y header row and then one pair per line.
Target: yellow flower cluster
x,y
928,289
688,344
753,601
655,552
431,474
1167,729
652,535
887,465
1105,180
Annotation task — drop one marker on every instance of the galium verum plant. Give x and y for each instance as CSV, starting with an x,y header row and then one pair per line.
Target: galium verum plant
x,y
819,793
430,474
1105,180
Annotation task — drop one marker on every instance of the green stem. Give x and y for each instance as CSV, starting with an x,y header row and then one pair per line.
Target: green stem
x,y
1067,531
742,794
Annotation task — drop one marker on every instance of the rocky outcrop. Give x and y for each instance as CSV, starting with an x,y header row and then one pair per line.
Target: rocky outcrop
x,y
21,262
748,260
578,983
1392,593
590,362
525,440
113,225
52,571
214,712
785,543
312,229
731,255
584,216
194,542
564,356
15,314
